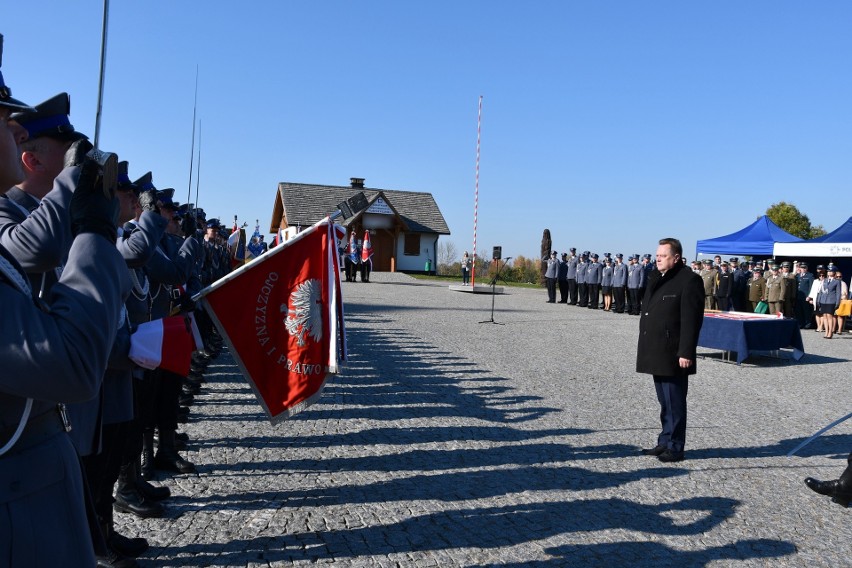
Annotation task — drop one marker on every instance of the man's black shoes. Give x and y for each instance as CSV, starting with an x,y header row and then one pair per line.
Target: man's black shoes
x,y
670,456
655,451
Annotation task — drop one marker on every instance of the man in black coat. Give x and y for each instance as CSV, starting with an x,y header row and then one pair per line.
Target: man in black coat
x,y
671,318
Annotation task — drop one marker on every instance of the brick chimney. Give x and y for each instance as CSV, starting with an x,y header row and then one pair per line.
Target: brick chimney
x,y
357,183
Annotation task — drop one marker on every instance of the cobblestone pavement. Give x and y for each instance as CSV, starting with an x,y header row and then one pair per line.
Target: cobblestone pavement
x,y
449,442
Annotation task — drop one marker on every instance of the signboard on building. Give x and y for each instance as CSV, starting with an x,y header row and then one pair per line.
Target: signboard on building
x,y
380,207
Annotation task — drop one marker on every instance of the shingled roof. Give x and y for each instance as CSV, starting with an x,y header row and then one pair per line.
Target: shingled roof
x,y
304,204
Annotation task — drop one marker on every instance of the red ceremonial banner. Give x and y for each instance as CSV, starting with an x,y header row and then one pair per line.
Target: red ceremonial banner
x,y
282,317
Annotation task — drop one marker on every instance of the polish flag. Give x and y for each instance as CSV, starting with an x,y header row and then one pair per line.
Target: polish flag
x,y
367,248
166,343
282,318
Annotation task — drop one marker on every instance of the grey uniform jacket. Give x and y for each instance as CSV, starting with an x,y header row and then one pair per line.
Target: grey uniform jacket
x,y
55,356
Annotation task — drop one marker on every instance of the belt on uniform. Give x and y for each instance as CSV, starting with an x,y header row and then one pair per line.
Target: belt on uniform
x,y
36,431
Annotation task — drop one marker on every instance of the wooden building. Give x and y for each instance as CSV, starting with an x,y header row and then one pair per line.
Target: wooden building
x,y
404,225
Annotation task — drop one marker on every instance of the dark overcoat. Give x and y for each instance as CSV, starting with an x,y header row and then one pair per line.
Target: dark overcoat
x,y
672,314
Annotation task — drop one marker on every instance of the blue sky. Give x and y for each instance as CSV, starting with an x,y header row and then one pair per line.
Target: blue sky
x,y
612,124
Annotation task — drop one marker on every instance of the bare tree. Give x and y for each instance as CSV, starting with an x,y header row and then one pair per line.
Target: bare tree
x,y
447,256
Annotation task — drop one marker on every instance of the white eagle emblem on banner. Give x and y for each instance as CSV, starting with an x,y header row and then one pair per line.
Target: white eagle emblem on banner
x,y
304,315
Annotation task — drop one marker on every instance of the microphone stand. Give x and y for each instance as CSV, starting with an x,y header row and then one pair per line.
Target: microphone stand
x,y
493,285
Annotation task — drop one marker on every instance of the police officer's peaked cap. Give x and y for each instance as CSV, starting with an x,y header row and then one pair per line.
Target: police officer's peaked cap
x,y
213,224
572,249
619,255
586,253
595,256
199,212
164,197
647,256
554,253
734,259
564,254
124,183
820,267
832,267
50,119
6,100
803,264
146,182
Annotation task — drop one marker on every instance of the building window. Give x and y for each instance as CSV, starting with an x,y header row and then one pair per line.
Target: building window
x,y
412,244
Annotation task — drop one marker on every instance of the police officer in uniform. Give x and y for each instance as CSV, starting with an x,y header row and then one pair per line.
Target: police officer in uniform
x,y
593,282
572,276
563,279
619,283
724,287
53,356
582,288
804,309
789,289
634,281
550,276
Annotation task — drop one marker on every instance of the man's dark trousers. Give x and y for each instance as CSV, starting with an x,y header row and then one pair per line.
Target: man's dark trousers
x,y
671,392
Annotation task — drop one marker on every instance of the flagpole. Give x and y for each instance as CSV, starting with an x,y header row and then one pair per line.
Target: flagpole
x,y
192,146
102,74
476,194
198,170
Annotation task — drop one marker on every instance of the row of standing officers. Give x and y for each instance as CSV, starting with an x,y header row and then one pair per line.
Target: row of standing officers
x,y
584,281
86,255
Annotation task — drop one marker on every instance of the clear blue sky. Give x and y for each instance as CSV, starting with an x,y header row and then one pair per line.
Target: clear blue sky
x,y
610,123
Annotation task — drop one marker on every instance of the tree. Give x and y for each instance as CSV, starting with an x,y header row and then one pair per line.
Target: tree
x,y
788,217
448,258
546,243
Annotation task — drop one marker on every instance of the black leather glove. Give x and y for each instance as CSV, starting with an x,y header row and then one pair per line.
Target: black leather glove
x,y
76,153
148,201
186,304
93,207
187,225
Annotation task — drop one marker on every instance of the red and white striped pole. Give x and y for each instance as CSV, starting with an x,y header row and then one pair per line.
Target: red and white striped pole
x,y
476,193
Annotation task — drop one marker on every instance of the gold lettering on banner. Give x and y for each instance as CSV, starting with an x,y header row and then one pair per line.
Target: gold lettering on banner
x,y
260,329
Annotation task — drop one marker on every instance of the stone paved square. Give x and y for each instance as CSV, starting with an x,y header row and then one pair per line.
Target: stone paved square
x,y
449,442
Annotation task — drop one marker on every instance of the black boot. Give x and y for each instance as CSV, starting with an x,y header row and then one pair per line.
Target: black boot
x,y
124,546
146,469
148,491
128,498
167,457
840,490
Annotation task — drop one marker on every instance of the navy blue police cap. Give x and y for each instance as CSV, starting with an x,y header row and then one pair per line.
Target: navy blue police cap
x,y
124,183
6,100
646,256
164,198
146,182
595,256
213,224
619,255
50,119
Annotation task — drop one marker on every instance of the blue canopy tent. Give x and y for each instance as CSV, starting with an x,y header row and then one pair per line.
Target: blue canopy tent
x,y
758,239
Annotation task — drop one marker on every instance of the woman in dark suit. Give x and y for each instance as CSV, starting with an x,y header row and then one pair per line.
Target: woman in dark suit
x,y
828,299
672,314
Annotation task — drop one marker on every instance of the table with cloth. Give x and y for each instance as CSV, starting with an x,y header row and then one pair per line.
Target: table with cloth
x,y
745,332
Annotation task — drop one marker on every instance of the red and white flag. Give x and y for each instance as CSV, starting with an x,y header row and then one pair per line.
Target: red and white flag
x,y
367,248
166,343
282,317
